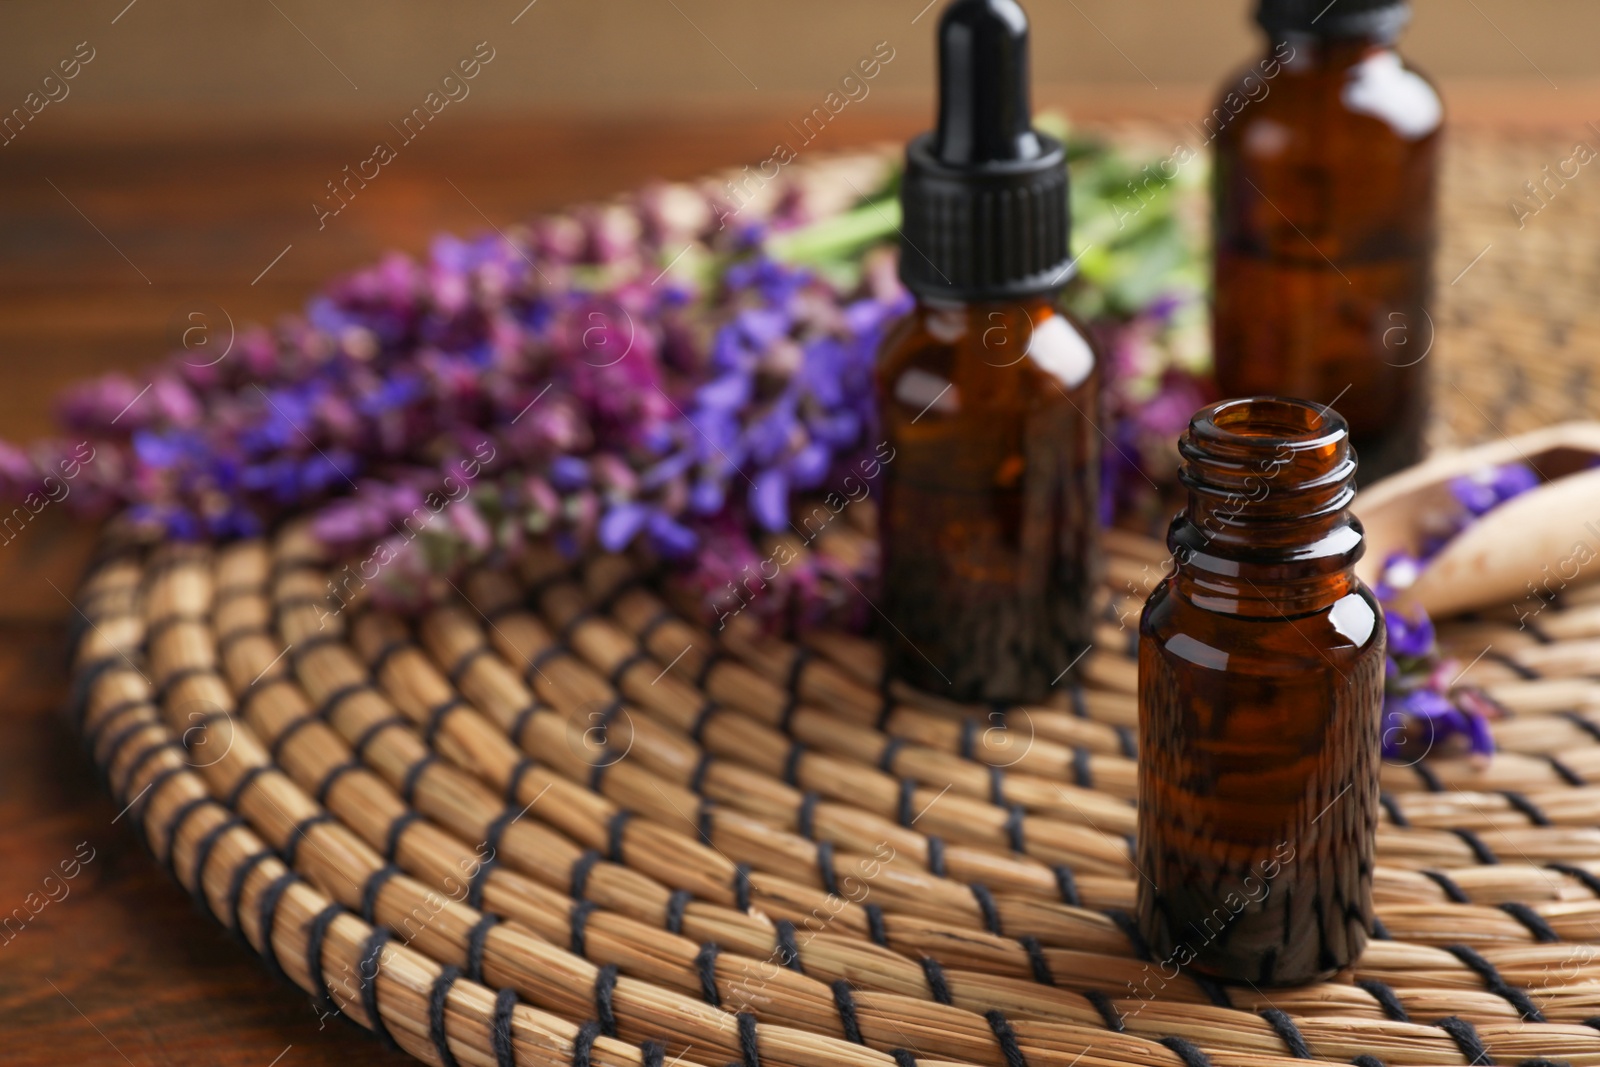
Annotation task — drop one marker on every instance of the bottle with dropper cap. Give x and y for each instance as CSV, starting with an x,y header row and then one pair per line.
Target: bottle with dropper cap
x,y
1325,199
989,392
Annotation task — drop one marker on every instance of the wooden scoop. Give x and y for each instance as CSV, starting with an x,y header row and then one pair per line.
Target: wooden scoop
x,y
1524,552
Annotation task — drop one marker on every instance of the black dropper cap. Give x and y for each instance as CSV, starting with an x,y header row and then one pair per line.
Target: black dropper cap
x,y
1340,18
985,194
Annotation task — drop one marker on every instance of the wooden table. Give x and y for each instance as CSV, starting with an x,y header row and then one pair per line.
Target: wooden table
x,y
109,237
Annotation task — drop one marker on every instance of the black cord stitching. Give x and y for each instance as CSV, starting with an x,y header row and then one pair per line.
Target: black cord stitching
x,y
936,980
676,903
519,725
1590,881
1013,829
1130,930
291,847
648,630
1527,807
236,886
570,628
703,675
1214,990
381,660
902,1058
741,886
1466,1038
697,778
1386,997
844,1000
1081,771
1380,931
1006,1038
373,886
806,821
202,855
131,774
437,715
825,868
616,828
936,858
1542,931
1452,891
791,764
605,986
1430,781
1067,886
1080,707
464,664
705,962
1480,851
704,824
1496,983
408,785
619,673
371,963
1392,806
316,931
477,941
1190,1054
580,874
968,744
1568,775
326,709
107,717
1036,960
480,880
989,909
175,822
697,730
518,773
1288,1032
267,918
908,790
1108,1012
183,674
437,995
797,667
748,1046
1128,742
331,779
369,735
788,947
1582,723
890,750
500,1028
578,920
541,659
1364,1060
279,743
997,787
875,925
244,782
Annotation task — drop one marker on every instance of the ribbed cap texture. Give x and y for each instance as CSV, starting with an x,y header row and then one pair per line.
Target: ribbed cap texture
x,y
1000,234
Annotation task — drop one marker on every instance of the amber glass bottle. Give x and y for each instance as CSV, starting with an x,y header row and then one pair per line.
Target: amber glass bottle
x,y
1327,154
988,393
1261,668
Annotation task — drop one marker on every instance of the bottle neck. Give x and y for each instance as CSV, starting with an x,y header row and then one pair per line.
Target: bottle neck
x,y
1267,531
1312,53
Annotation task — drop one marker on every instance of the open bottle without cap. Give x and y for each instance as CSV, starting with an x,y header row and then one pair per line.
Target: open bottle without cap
x,y
1261,673
989,393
